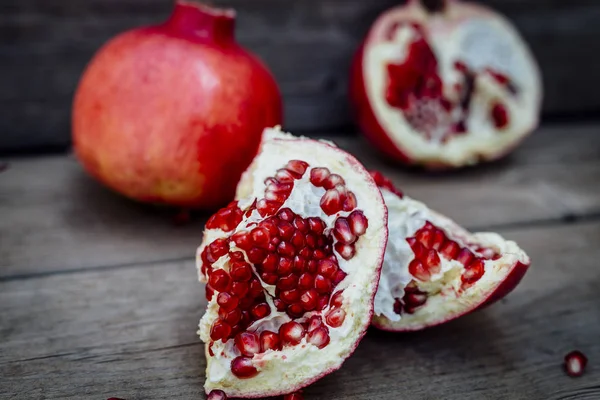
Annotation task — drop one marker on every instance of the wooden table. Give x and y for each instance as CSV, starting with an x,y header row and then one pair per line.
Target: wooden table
x,y
99,298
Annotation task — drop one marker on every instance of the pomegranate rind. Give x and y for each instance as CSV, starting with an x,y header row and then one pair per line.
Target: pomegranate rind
x,y
293,368
452,301
386,126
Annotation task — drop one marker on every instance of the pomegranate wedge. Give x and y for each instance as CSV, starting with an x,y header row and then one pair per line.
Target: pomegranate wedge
x,y
434,270
291,267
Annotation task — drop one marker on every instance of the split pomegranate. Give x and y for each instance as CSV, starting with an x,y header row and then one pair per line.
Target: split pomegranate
x,y
445,84
173,113
435,271
575,363
291,267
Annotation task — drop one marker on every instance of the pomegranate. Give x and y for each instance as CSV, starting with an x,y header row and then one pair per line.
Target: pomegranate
x,y
291,266
434,270
173,113
575,363
444,84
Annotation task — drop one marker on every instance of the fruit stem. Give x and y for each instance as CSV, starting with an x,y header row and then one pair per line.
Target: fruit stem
x,y
432,6
203,22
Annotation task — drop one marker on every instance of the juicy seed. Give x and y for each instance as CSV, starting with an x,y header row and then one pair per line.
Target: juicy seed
x,y
285,214
289,296
309,299
260,310
226,219
425,237
575,363
285,266
347,251
270,263
269,341
418,270
450,250
314,322
343,232
335,317
322,284
350,202
286,249
256,255
219,330
332,181
295,310
247,343
318,176
301,225
465,256
243,368
432,262
306,281
216,395
358,223
285,176
331,202
267,207
291,333
297,168
319,337
227,301
260,237
317,226
473,272
242,240
327,268
219,280
239,289
232,317
337,299
241,272
499,115
438,239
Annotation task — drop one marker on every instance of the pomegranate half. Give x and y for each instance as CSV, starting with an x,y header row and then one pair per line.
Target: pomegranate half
x,y
445,84
434,270
174,113
291,267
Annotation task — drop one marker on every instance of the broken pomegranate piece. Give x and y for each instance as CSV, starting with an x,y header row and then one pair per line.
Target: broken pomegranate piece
x,y
445,86
291,268
435,271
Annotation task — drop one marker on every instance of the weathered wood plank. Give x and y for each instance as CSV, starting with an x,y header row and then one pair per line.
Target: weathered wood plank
x,y
308,44
54,217
131,333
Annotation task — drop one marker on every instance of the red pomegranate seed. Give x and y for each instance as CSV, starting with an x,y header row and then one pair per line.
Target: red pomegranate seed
x,y
382,181
295,310
231,317
247,343
339,276
474,272
227,301
417,248
305,253
236,256
270,263
450,250
269,341
319,337
317,226
418,270
285,266
465,256
283,175
256,255
342,231
331,202
294,396
286,230
286,249
260,237
216,395
337,299
269,278
299,264
241,271
335,317
425,237
319,254
350,202
209,293
432,262
327,268
306,281
267,207
220,330
297,167
301,224
575,363
415,299
279,305
260,310
219,280
243,368
287,282
499,115
297,239
290,296
318,176
311,266
239,289
314,322
322,284
291,333
347,251
242,240
332,181
285,214
323,301
438,239
309,299
358,223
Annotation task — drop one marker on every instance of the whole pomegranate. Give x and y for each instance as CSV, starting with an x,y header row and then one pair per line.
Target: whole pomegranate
x,y
173,113
291,268
434,270
445,84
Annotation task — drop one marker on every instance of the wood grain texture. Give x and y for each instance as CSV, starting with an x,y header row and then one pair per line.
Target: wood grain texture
x,y
308,44
131,333
54,217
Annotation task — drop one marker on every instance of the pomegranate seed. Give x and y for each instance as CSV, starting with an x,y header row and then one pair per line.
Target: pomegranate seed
x,y
291,333
417,270
319,337
219,330
227,301
267,207
327,268
419,250
216,395
499,115
309,299
301,225
474,272
358,223
342,231
241,272
232,317
287,282
317,226
319,254
243,368
306,281
465,256
299,264
385,183
335,317
209,293
318,176
305,253
285,214
285,266
425,237
286,249
332,181
284,176
337,299
270,263
294,396
279,305
242,240
260,237
347,251
269,341
297,168
236,256
247,343
450,250
289,296
219,280
415,299
260,310
322,284
295,310
245,318
575,363
311,266
246,303
256,255
350,202
269,278
432,262
438,239
255,288
339,276
331,202
323,301
239,289
286,230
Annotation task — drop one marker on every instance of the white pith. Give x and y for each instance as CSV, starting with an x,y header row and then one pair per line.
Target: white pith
x,y
446,299
478,37
296,366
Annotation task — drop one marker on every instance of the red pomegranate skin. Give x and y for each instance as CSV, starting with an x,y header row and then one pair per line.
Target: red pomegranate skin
x,y
174,113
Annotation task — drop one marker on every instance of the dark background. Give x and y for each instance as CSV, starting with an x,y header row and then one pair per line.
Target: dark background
x,y
308,44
